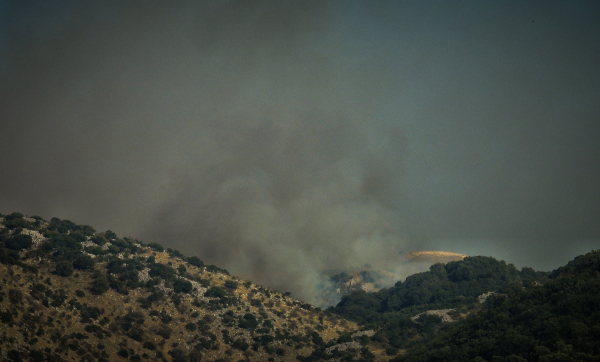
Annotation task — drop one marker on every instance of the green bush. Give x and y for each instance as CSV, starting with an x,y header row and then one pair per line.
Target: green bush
x,y
99,285
215,292
18,223
182,286
156,247
240,344
162,271
19,242
230,284
13,216
83,262
99,240
64,268
175,253
248,321
194,260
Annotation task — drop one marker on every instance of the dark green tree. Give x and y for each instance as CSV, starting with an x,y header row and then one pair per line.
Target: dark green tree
x,y
64,268
83,262
19,242
182,286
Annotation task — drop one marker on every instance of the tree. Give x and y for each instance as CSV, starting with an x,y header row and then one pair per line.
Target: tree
x,y
64,268
230,284
156,247
83,262
215,292
19,242
99,285
194,260
182,286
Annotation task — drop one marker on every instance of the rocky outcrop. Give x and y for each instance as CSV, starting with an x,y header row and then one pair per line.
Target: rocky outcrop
x,y
442,313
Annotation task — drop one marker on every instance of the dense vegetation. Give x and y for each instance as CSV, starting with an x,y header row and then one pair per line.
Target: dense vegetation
x,y
556,321
455,285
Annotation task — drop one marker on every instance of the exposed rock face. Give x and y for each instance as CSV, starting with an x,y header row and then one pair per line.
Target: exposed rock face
x,y
343,347
369,333
484,296
442,313
36,237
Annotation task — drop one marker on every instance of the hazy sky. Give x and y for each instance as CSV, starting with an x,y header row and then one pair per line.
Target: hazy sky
x,y
281,138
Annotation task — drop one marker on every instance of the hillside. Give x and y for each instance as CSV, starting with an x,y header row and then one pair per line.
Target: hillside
x,y
412,311
555,321
69,293
384,274
72,294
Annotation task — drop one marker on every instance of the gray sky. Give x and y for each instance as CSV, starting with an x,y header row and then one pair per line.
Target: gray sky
x,y
284,138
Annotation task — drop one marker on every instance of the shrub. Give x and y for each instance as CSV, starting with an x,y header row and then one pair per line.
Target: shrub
x,y
15,296
391,351
178,355
14,215
182,286
149,345
194,260
19,242
99,285
156,295
83,262
17,223
156,247
161,270
240,344
99,240
248,322
175,253
64,268
190,326
215,292
79,293
230,284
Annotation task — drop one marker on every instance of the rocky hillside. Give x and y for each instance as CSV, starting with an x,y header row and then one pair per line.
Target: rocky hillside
x,y
69,293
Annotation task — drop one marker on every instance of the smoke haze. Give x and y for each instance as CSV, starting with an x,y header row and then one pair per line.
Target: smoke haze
x,y
279,139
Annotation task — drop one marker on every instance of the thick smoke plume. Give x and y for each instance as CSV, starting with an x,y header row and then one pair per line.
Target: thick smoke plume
x,y
220,130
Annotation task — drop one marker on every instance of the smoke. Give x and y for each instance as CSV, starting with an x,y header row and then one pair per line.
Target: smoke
x,y
279,139
220,130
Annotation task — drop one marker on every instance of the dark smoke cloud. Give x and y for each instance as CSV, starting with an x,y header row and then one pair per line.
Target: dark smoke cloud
x,y
279,139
